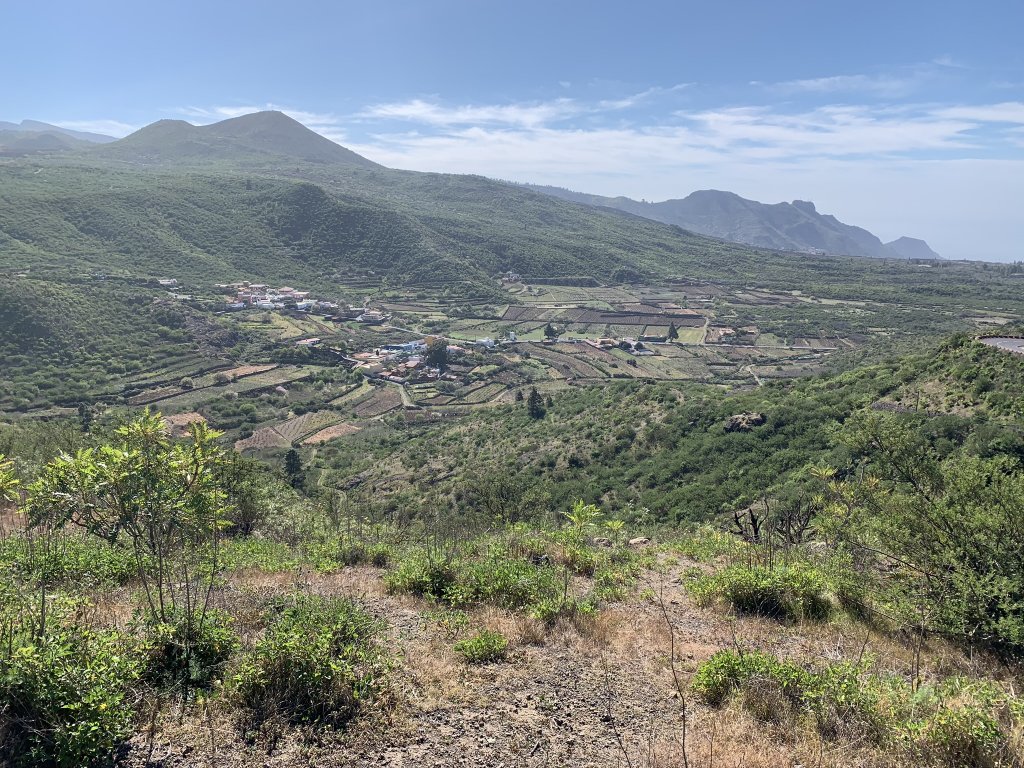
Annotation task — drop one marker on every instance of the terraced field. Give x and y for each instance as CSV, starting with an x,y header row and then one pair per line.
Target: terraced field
x,y
330,433
300,426
377,403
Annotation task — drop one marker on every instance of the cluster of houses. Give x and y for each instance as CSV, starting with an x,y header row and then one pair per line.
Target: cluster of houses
x,y
404,363
246,295
633,346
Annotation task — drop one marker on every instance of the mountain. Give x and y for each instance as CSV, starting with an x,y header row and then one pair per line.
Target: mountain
x,y
30,137
911,248
35,126
263,198
16,142
795,226
260,137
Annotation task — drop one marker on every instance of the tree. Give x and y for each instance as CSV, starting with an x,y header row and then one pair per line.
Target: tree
x,y
951,526
163,499
535,404
437,354
673,332
85,416
550,332
519,395
293,467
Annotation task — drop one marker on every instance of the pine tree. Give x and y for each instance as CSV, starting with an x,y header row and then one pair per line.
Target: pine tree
x,y
293,467
535,404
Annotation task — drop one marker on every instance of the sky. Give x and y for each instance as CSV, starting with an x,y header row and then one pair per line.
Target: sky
x,y
905,117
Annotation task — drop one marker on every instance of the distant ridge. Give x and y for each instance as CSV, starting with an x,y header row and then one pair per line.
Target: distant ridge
x,y
253,137
912,248
30,137
795,226
35,126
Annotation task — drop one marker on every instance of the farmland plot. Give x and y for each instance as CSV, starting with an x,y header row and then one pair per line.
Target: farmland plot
x,y
300,426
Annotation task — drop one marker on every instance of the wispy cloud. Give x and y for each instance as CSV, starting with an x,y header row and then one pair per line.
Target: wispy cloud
x,y
529,115
879,85
1005,112
526,115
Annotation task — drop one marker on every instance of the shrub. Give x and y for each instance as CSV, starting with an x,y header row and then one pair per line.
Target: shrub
x,y
336,553
957,722
789,592
189,653
245,552
318,662
421,573
962,722
484,647
65,700
68,558
497,575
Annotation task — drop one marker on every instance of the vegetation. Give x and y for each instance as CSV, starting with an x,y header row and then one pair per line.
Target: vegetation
x,y
485,647
318,663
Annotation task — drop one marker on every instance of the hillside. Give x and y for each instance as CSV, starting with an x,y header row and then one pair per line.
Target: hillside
x,y
799,625
795,226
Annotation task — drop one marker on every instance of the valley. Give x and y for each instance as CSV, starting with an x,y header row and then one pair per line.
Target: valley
x,y
305,460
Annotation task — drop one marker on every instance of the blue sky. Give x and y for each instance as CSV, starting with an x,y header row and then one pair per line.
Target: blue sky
x,y
902,117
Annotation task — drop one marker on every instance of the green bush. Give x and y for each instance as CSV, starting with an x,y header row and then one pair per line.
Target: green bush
x,y
484,647
189,653
421,573
318,662
66,699
82,560
248,552
961,722
957,722
788,592
834,696
492,572
338,552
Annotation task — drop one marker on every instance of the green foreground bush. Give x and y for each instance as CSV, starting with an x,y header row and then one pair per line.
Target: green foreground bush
x,y
66,699
484,647
496,576
956,722
318,662
792,592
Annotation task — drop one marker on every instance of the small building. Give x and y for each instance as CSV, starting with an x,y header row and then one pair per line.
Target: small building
x,y
308,342
371,317
168,282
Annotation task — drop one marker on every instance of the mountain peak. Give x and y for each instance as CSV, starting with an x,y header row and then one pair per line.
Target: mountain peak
x,y
257,136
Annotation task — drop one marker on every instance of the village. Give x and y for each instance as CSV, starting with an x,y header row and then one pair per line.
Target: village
x,y
318,368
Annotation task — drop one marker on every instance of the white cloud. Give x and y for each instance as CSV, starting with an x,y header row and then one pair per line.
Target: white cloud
x,y
531,115
895,170
1005,112
884,85
527,115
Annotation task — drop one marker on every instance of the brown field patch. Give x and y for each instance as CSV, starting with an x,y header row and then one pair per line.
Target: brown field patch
x,y
330,433
178,424
268,437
